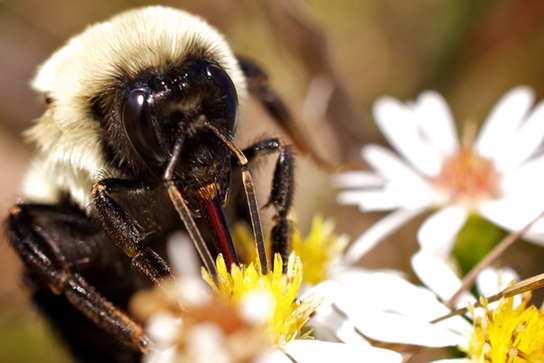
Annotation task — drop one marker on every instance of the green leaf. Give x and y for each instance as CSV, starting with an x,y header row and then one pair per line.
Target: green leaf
x,y
475,240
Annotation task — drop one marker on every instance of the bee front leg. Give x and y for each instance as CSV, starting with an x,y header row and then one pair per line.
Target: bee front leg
x,y
281,195
59,246
124,230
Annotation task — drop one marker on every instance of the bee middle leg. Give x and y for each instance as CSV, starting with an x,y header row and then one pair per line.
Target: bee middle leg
x,y
124,230
281,194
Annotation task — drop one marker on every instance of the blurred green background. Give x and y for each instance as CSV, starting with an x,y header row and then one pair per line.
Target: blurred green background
x,y
470,51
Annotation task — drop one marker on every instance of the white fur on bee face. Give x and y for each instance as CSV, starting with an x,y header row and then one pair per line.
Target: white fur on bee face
x,y
69,152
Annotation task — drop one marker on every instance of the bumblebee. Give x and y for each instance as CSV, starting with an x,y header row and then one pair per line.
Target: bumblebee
x,y
138,141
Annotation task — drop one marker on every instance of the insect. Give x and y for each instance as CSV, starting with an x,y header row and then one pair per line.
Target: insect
x,y
137,141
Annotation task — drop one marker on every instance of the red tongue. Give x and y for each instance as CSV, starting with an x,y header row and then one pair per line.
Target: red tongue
x,y
212,213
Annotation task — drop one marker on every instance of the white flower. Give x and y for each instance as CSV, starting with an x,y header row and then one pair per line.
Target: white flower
x,y
498,176
212,330
325,274
388,308
505,328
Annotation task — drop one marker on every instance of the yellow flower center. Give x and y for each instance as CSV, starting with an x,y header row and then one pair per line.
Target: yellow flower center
x,y
319,249
508,335
316,252
467,178
287,315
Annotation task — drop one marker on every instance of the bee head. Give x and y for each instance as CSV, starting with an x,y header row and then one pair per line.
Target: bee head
x,y
122,93
161,110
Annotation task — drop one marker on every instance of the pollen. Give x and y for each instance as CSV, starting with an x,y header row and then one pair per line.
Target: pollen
x,y
319,249
285,315
467,178
507,334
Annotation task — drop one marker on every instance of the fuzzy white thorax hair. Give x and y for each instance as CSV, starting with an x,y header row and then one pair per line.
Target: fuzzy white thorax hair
x,y
69,152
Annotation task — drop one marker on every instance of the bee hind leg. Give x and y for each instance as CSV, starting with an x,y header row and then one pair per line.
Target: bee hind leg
x,y
270,100
58,247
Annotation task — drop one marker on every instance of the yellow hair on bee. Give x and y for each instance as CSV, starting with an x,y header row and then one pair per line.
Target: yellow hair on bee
x,y
70,157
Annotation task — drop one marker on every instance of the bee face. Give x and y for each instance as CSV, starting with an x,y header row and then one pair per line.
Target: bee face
x,y
156,70
160,108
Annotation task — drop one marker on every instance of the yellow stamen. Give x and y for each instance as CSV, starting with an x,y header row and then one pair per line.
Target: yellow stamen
x,y
319,249
288,315
316,251
467,178
508,334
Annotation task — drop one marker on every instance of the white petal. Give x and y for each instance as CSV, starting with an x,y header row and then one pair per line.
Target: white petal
x,y
312,351
436,275
333,326
511,212
273,356
393,294
400,329
372,201
182,255
357,179
398,124
206,342
157,355
390,166
434,116
385,200
346,274
528,177
377,232
326,291
328,323
164,328
538,227
437,233
536,238
389,293
491,281
524,143
503,121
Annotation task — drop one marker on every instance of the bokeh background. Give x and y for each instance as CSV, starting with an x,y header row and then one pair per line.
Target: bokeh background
x,y
328,59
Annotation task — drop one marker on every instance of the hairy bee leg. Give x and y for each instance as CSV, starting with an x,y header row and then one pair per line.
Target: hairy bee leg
x,y
259,87
281,195
125,231
38,245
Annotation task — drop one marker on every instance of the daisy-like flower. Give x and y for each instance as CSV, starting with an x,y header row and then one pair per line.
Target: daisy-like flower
x,y
246,316
504,331
497,176
320,253
403,313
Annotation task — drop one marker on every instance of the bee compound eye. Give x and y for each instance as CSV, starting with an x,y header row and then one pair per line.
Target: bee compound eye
x,y
223,81
139,128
